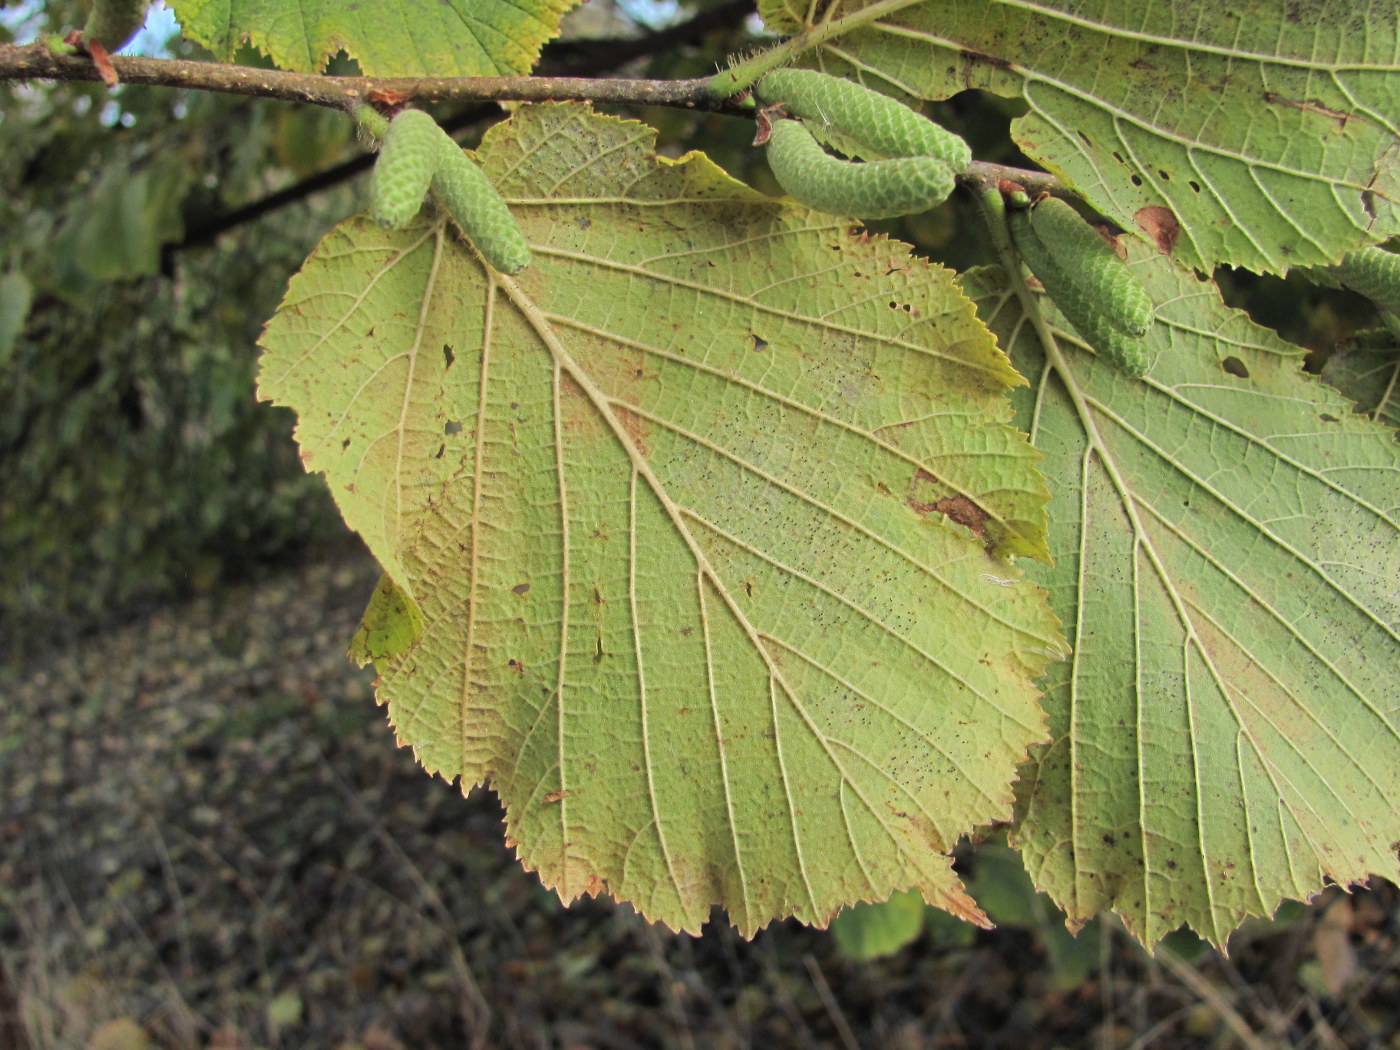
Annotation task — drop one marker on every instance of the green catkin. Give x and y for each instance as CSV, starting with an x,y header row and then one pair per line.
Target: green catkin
x,y
114,23
1374,272
1088,269
407,160
875,190
468,196
874,125
1127,353
371,122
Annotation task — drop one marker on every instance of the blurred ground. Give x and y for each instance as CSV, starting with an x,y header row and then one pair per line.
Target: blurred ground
x,y
209,840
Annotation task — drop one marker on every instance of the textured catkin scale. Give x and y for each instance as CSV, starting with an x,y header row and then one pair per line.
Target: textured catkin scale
x,y
875,124
113,23
1088,269
1127,353
876,190
407,160
468,196
1374,272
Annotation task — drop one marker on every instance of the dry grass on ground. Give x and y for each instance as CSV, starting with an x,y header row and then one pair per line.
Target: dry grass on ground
x,y
209,840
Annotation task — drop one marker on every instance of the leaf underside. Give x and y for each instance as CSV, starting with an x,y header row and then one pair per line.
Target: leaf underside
x,y
1267,140
389,38
1227,538
706,520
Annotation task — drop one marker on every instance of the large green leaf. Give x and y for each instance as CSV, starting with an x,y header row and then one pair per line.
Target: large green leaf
x,y
390,38
707,516
1227,540
1260,135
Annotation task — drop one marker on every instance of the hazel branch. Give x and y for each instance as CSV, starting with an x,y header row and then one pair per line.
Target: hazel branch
x,y
38,62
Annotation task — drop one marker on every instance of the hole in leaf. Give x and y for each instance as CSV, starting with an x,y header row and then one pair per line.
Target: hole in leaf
x,y
1195,186
447,356
1136,180
1328,418
452,427
1163,175
1235,367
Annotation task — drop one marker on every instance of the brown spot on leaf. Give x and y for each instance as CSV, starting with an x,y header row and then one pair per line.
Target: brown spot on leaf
x,y
981,56
636,428
1307,105
520,589
594,886
922,479
1160,224
962,510
555,796
958,508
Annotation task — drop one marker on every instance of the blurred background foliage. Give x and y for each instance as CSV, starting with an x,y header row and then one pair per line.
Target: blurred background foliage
x,y
148,233
136,463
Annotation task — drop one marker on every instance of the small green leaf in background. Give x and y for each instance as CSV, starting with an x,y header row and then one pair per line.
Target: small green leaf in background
x,y
1264,140
130,215
869,931
121,1033
999,884
283,1010
1369,376
709,515
1228,569
16,295
391,624
307,139
389,38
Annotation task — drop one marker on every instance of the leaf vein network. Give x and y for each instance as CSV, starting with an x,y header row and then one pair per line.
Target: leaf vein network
x,y
1127,117
1182,467
855,607
855,526
1189,44
1289,627
895,716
